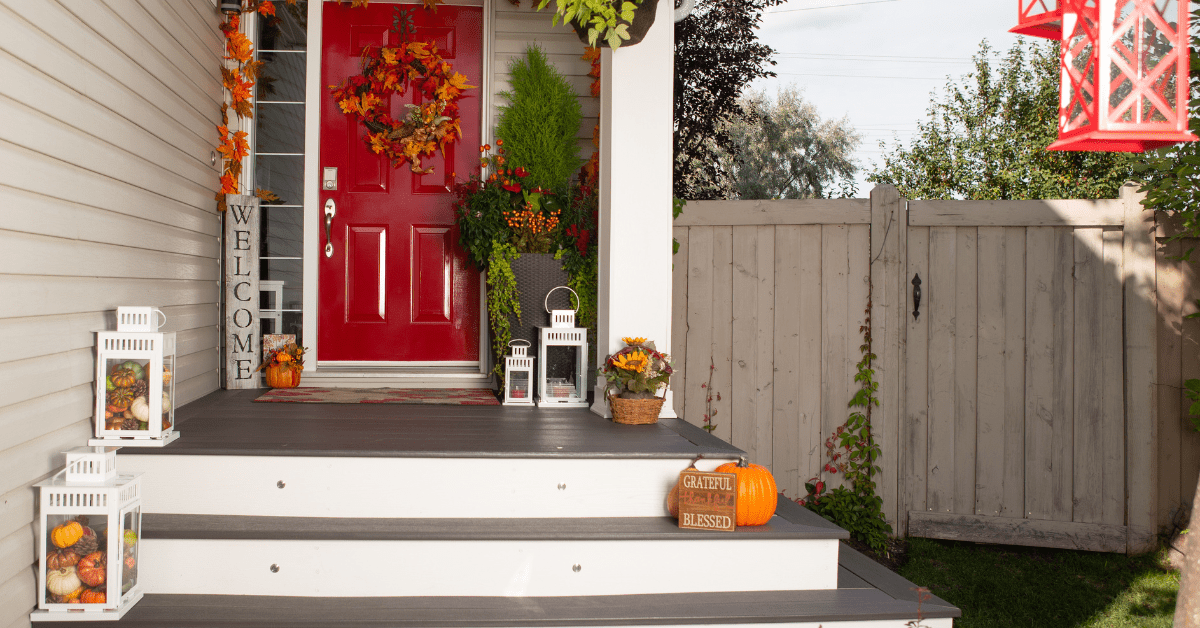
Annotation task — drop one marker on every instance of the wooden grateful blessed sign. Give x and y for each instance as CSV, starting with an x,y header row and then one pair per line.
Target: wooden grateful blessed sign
x,y
707,501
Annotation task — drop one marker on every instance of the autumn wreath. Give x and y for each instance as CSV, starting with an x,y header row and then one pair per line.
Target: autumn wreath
x,y
427,127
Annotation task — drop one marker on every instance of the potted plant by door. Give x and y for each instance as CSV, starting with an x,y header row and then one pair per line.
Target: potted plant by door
x,y
634,376
283,366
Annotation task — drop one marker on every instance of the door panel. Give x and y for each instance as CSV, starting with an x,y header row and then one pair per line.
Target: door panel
x,y
398,286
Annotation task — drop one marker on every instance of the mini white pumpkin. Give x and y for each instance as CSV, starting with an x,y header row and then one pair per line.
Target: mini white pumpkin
x,y
62,581
140,409
166,406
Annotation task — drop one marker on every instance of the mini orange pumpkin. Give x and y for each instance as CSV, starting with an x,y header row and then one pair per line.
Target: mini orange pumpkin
x,y
123,378
757,495
92,569
93,596
66,534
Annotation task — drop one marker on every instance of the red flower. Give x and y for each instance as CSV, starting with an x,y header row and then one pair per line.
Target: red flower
x,y
511,186
521,172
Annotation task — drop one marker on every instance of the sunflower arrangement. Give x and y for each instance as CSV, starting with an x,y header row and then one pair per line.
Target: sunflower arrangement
x,y
637,371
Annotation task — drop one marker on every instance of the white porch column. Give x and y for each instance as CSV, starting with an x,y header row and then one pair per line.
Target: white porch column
x,y
636,102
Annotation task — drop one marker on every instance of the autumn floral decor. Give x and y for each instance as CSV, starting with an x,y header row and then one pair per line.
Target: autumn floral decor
x,y
283,366
428,127
634,375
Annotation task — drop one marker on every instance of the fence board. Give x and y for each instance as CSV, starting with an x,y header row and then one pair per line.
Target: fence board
x,y
992,384
1113,390
1141,418
858,270
835,313
812,320
790,446
699,320
1039,213
966,307
914,439
1087,483
679,324
722,332
940,296
764,374
1170,363
745,346
777,212
888,280
1016,531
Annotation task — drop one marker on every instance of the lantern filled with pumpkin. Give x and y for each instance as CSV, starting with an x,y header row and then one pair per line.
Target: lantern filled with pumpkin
x,y
135,385
89,528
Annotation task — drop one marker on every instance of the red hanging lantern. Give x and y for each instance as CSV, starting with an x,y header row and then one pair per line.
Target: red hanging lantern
x,y
1038,18
1124,75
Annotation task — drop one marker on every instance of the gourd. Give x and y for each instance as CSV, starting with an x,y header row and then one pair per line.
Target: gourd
x,y
119,400
62,581
140,409
60,559
757,495
279,376
92,569
66,534
139,372
166,403
93,596
123,378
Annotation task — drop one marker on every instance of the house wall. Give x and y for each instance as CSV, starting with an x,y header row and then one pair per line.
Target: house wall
x,y
109,111
516,28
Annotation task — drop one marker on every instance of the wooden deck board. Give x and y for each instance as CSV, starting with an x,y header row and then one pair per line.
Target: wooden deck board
x,y
232,611
229,423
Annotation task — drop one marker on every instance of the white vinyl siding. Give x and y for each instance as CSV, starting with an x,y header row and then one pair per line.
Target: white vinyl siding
x,y
108,115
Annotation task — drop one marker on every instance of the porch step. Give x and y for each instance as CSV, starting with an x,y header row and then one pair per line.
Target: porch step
x,y
867,596
341,376
325,557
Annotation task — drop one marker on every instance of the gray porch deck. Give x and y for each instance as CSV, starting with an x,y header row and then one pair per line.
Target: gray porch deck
x,y
229,423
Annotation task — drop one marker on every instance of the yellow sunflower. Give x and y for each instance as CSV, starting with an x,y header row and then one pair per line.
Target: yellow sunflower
x,y
635,362
633,341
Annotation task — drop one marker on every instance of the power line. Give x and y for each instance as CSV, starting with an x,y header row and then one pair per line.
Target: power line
x,y
874,58
838,54
832,6
862,76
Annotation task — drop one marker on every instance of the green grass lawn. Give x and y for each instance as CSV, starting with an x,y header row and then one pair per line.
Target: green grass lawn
x,y
1018,587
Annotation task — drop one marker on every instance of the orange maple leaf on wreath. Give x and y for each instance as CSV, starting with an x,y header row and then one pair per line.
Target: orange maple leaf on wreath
x,y
238,47
591,54
431,5
266,8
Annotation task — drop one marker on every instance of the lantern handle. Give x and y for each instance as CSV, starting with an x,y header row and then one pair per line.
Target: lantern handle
x,y
546,301
513,343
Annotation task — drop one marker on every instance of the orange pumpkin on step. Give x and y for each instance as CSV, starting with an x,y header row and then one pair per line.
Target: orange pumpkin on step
x,y
757,495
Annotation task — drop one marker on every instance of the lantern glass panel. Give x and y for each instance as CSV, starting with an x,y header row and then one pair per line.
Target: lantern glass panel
x,y
80,570
519,384
562,380
131,534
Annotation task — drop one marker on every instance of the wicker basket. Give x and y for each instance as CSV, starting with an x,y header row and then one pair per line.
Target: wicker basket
x,y
635,411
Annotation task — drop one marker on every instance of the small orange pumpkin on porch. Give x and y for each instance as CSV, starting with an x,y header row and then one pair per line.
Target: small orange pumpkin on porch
x,y
757,495
66,534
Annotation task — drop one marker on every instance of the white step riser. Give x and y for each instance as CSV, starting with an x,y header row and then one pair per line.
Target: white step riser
x,y
484,568
405,487
874,623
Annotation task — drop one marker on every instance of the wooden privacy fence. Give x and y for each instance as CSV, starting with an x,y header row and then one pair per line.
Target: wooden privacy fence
x,y
1019,400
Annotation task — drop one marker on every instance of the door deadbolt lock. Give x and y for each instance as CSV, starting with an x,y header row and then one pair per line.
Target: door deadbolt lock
x,y
329,179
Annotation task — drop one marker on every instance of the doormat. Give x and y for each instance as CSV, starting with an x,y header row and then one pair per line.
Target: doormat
x,y
409,396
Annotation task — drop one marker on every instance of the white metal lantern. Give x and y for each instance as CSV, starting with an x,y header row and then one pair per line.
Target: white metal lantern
x,y
518,375
135,388
88,537
569,391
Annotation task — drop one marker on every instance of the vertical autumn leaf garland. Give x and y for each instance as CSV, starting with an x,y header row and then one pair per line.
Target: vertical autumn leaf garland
x,y
239,82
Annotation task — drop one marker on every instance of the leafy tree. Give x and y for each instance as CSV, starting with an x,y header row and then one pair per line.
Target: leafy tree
x,y
717,54
782,149
987,137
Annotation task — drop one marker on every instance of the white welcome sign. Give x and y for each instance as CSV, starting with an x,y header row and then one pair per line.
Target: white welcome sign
x,y
242,221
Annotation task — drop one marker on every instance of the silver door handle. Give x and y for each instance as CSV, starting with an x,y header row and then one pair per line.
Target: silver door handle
x,y
330,210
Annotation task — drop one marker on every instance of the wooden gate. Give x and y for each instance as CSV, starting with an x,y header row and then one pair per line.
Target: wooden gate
x,y
1018,402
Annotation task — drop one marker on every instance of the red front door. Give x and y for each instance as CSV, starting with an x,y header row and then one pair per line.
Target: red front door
x,y
397,286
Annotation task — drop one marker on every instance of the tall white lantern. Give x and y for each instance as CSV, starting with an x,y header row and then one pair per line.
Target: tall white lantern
x,y
88,540
562,335
135,383
518,375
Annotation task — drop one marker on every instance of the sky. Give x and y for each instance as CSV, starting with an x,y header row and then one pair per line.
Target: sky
x,y
877,61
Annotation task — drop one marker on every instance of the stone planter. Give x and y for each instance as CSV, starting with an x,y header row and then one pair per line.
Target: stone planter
x,y
643,19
